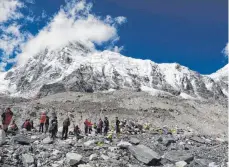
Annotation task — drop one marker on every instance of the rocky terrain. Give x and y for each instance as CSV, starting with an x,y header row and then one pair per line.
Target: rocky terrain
x,y
198,138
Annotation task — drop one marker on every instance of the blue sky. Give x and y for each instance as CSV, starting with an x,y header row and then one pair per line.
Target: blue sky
x,y
191,32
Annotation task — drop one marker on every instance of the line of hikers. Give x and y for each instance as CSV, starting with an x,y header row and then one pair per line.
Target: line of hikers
x,y
100,128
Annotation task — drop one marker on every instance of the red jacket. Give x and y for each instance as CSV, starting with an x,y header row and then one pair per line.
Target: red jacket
x,y
43,118
8,117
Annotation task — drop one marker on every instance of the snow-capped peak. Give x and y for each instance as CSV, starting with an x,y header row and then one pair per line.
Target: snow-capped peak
x,y
76,68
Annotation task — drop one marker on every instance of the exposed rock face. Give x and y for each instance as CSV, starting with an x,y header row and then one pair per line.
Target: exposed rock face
x,y
75,68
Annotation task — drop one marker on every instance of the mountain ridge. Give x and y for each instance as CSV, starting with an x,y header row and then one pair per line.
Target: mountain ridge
x,y
78,68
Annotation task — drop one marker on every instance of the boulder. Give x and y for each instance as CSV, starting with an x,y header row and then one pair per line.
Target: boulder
x,y
112,149
47,140
2,137
212,164
203,162
27,160
124,145
134,141
84,165
93,157
176,156
145,154
181,164
88,143
21,139
104,157
197,139
168,141
73,158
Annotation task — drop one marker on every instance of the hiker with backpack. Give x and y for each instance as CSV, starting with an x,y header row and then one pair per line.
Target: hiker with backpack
x,y
100,127
66,124
42,122
6,118
54,127
106,126
46,124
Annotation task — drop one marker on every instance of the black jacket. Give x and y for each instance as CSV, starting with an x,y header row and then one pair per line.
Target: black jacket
x,y
106,123
47,120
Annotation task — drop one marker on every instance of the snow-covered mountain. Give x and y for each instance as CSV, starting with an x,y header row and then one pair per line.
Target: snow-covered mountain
x,y
77,68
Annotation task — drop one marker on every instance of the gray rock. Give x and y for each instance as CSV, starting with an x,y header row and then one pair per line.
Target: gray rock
x,y
73,158
104,157
21,139
124,144
2,137
176,156
47,140
134,141
198,139
84,165
145,154
93,157
27,160
203,162
180,164
212,164
88,143
168,141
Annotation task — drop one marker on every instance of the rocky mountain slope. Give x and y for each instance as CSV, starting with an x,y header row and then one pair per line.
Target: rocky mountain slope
x,y
77,68
200,137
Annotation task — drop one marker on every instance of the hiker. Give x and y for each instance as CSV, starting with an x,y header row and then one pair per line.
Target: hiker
x,y
77,131
89,127
54,127
117,125
31,122
100,127
6,118
13,126
27,125
66,124
42,121
165,130
46,124
109,137
95,127
106,125
86,124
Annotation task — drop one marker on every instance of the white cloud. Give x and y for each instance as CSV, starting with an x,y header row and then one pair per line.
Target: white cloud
x,y
120,19
8,10
30,1
43,15
11,40
72,23
2,66
118,49
226,50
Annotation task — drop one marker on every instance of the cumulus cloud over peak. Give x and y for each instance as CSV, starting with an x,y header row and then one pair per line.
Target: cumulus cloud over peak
x,y
73,22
